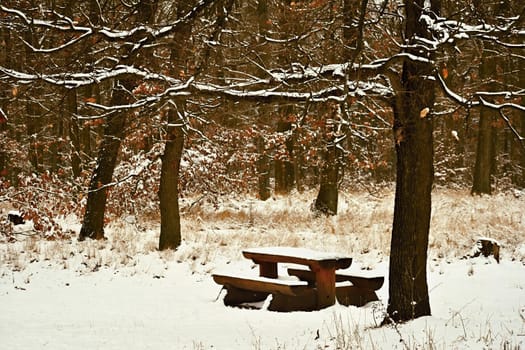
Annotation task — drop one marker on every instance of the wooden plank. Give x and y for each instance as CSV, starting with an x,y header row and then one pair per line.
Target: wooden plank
x,y
371,283
236,296
352,295
301,256
307,301
262,284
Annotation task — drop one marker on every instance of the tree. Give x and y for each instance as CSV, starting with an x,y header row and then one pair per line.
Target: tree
x,y
327,198
114,132
170,235
413,104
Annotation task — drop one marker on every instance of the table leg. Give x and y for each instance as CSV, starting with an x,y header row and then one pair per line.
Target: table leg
x,y
267,269
325,284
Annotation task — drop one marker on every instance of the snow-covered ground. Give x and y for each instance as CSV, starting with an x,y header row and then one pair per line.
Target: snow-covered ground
x,y
123,294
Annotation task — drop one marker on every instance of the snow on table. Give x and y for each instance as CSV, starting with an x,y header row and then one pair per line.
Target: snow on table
x,y
294,252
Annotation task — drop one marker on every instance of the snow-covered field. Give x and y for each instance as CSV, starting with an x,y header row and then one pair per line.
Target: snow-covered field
x,y
123,294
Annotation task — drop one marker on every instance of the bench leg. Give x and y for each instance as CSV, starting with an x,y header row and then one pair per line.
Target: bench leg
x,y
267,269
236,296
325,285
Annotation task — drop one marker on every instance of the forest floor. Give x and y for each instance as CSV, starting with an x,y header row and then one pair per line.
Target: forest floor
x,y
123,293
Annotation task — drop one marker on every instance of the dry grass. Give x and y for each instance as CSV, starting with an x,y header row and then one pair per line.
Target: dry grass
x,y
363,227
363,224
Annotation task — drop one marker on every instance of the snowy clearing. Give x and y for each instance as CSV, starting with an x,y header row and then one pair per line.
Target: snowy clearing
x,y
122,293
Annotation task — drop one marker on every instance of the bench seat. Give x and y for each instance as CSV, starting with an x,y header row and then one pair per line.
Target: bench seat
x,y
262,284
287,295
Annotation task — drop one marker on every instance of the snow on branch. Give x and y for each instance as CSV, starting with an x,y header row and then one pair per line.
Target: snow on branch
x,y
75,80
477,99
371,70
446,31
64,24
139,36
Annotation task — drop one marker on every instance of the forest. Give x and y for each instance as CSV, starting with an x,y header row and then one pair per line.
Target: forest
x,y
112,108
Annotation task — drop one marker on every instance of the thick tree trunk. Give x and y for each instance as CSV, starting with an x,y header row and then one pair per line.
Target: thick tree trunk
x,y
170,232
408,289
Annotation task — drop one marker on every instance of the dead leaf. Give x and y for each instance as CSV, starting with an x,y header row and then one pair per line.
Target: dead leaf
x,y
444,72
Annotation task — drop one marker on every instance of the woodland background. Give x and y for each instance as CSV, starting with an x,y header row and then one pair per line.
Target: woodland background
x,y
110,108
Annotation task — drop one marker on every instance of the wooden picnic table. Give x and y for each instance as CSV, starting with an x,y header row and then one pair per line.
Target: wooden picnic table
x,y
312,286
322,264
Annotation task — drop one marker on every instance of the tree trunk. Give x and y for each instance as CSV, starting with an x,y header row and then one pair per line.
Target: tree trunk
x,y
284,169
408,289
93,224
5,92
32,113
484,154
263,170
521,181
263,165
327,198
170,233
114,132
74,131
488,72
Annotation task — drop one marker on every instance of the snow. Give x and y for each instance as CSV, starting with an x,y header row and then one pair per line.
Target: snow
x,y
123,293
46,307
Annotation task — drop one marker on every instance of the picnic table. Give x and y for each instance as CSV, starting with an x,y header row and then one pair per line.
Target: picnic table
x,y
312,285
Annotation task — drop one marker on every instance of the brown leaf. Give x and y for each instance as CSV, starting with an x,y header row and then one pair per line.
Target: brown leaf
x,y
444,72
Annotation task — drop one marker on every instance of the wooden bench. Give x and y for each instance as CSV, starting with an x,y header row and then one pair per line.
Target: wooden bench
x,y
361,291
287,295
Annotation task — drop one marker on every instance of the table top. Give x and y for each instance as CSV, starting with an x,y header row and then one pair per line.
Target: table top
x,y
300,256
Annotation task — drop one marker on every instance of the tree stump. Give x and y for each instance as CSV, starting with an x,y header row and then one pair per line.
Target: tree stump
x,y
486,247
